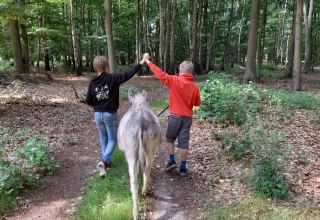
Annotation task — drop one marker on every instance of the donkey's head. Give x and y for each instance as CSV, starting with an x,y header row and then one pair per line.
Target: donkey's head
x,y
137,99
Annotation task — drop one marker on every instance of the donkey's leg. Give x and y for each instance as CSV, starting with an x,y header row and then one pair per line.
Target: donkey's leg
x,y
133,172
146,174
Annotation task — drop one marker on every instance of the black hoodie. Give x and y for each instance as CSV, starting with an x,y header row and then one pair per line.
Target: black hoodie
x,y
103,91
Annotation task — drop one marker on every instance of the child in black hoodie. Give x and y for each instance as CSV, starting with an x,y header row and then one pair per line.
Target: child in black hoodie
x,y
103,95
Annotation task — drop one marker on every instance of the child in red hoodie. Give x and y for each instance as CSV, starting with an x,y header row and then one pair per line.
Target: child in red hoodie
x,y
184,94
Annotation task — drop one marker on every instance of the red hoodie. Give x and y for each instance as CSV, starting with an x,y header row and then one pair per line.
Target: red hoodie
x,y
183,92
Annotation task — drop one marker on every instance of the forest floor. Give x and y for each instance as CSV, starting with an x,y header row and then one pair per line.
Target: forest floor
x,y
49,108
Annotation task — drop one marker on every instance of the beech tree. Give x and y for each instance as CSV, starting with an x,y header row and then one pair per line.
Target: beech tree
x,y
16,46
308,16
297,47
110,43
250,72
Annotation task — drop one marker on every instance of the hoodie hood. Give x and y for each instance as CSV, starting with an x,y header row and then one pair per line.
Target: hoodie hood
x,y
187,76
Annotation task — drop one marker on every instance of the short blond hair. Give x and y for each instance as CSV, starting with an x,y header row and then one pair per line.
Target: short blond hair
x,y
186,67
100,64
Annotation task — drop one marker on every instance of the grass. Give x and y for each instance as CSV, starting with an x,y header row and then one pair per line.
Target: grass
x,y
159,105
109,198
263,209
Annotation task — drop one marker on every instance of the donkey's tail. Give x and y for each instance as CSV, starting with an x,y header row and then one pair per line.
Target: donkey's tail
x,y
142,151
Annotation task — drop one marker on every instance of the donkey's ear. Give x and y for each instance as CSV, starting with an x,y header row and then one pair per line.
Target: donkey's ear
x,y
144,93
130,95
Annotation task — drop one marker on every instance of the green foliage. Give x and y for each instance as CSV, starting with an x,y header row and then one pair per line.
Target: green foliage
x,y
124,91
34,159
262,209
228,102
6,65
240,148
269,160
300,100
31,160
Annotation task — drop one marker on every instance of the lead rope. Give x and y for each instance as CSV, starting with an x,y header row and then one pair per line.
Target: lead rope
x,y
163,110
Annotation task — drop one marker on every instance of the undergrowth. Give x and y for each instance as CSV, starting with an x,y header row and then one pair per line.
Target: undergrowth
x,y
22,167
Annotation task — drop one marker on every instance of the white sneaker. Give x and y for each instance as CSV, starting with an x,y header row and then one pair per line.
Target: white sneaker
x,y
101,169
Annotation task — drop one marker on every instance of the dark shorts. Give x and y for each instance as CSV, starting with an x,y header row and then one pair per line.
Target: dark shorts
x,y
179,126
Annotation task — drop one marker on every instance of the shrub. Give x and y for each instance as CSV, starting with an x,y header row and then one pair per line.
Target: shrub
x,y
269,160
34,160
228,102
31,160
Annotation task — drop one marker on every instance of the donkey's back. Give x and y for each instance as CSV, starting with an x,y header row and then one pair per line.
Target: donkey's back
x,y
139,136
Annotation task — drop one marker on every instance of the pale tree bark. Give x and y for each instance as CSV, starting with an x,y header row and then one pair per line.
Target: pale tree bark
x,y
98,33
166,58
227,37
250,72
261,41
75,40
297,47
195,29
147,46
239,33
111,51
308,36
212,39
289,67
162,27
172,37
138,30
16,46
280,35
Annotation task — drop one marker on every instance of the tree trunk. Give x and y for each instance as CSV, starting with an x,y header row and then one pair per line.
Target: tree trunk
x,y
289,67
250,72
297,47
16,46
138,30
227,37
261,40
75,40
166,58
111,51
147,46
308,37
212,39
162,27
195,34
239,33
172,38
25,47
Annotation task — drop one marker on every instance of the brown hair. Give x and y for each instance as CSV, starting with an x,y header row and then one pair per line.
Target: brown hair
x,y
100,64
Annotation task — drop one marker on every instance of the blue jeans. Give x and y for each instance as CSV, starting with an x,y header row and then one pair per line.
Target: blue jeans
x,y
107,124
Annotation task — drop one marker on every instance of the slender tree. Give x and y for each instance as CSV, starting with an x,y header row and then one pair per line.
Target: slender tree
x,y
111,51
261,41
308,16
212,38
172,36
75,40
297,47
250,72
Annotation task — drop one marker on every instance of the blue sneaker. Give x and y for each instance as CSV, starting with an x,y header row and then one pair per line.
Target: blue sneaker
x,y
183,172
171,165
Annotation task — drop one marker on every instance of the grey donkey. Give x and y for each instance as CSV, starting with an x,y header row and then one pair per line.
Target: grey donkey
x,y
139,136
